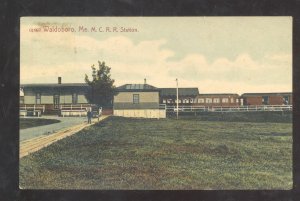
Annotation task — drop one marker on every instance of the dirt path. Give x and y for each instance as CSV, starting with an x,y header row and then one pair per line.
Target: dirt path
x,y
65,122
37,143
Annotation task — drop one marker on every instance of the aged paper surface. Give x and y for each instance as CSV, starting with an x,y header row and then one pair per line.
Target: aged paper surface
x,y
228,126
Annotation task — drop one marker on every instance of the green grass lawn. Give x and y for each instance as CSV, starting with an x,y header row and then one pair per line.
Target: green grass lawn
x,y
124,153
34,122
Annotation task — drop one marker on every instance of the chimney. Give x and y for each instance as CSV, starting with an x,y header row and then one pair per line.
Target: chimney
x,y
59,80
145,81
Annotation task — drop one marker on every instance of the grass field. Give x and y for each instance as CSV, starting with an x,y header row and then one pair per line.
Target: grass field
x,y
124,153
32,122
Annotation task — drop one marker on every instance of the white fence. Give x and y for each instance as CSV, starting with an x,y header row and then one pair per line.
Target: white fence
x,y
162,106
36,110
248,108
74,110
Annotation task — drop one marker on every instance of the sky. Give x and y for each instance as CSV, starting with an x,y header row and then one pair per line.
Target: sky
x,y
215,54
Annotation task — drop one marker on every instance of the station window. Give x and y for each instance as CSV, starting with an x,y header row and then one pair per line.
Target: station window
x,y
136,98
225,100
286,100
265,100
170,101
208,100
216,100
200,100
232,100
38,98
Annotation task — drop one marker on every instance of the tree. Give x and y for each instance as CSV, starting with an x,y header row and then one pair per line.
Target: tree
x,y
102,89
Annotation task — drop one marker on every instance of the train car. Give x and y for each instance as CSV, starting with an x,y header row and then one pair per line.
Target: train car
x,y
186,96
212,100
280,98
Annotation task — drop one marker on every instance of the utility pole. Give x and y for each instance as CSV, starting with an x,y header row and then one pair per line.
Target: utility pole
x,y
177,96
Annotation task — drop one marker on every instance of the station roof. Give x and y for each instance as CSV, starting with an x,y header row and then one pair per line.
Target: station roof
x,y
219,94
54,87
267,94
137,87
181,92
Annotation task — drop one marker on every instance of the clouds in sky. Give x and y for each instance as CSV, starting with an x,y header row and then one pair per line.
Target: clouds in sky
x,y
45,56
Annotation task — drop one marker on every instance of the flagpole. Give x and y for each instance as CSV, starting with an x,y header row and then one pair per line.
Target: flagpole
x,y
177,96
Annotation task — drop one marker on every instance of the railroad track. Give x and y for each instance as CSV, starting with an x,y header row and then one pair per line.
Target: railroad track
x,y
37,143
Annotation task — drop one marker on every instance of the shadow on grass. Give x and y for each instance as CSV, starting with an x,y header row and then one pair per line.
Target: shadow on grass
x,y
34,122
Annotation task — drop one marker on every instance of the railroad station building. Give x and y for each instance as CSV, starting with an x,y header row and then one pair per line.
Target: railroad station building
x,y
138,100
52,96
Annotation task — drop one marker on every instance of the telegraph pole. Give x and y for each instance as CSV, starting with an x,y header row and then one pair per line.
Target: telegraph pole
x,y
177,96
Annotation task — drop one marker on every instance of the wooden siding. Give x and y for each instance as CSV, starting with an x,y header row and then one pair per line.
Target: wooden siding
x,y
48,99
81,99
65,99
29,99
144,113
136,106
147,100
144,97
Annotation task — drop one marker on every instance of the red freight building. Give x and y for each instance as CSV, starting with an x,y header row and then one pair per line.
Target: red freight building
x,y
267,98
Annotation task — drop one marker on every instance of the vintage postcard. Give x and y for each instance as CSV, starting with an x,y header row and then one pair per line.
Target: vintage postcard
x,y
146,103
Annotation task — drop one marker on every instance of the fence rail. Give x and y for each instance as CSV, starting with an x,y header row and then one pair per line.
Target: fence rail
x,y
248,108
74,107
34,109
73,110
162,106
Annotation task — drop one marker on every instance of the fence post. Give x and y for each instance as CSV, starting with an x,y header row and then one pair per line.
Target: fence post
x,y
80,110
